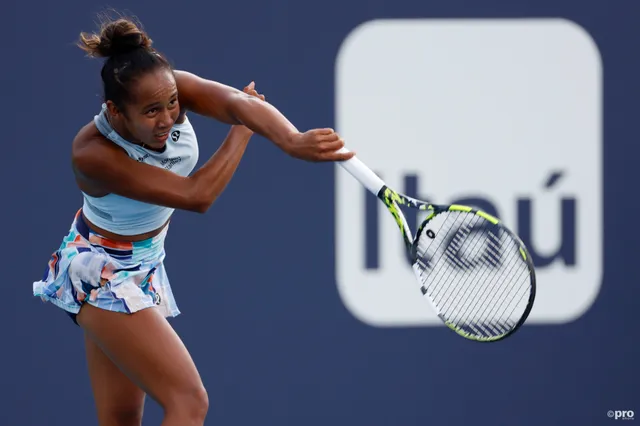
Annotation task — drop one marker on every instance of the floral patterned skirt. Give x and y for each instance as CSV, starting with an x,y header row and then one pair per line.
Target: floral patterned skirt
x,y
113,275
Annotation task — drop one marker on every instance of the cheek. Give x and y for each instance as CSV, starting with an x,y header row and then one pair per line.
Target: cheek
x,y
175,113
139,129
145,126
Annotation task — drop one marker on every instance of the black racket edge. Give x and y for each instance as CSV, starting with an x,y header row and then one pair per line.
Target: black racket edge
x,y
392,198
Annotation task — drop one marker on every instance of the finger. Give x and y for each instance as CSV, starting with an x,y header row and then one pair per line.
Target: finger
x,y
332,146
251,85
334,156
333,137
254,93
324,131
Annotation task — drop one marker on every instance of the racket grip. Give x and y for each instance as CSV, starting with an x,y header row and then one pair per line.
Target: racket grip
x,y
362,173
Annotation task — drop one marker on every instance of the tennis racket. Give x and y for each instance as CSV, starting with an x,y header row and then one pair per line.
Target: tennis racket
x,y
477,274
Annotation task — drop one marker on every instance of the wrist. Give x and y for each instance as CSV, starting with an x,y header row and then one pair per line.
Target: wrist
x,y
292,141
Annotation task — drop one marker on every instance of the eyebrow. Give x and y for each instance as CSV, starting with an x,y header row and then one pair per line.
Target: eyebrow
x,y
158,103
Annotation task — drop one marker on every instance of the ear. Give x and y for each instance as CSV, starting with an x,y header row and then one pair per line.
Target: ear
x,y
113,109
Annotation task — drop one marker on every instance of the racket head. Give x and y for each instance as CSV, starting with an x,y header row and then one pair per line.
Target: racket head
x,y
477,274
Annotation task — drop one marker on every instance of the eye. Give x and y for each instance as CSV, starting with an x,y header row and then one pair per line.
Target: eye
x,y
152,111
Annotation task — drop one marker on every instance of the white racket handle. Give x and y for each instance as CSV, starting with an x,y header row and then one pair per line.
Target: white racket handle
x,y
362,173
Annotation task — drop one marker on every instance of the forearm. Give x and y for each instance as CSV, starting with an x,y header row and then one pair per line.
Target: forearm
x,y
212,178
264,119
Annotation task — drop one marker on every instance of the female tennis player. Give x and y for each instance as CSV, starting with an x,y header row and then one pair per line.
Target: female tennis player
x,y
133,164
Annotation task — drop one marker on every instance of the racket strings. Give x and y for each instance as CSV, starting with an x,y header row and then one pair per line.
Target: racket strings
x,y
455,244
487,289
487,299
482,305
514,264
460,311
485,312
423,252
449,253
466,290
522,288
440,292
474,278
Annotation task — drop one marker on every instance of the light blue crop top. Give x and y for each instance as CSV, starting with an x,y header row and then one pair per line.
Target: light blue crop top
x,y
125,216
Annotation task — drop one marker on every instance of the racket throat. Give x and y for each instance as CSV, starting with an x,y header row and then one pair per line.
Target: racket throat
x,y
392,201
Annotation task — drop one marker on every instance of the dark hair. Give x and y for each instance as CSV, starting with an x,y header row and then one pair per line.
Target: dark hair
x,y
129,55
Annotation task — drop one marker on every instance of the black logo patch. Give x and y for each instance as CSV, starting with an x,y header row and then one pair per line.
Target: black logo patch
x,y
175,135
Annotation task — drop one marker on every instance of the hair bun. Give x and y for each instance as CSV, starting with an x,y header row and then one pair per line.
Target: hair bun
x,y
115,38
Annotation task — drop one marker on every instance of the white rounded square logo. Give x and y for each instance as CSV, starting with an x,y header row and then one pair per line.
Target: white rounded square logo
x,y
505,115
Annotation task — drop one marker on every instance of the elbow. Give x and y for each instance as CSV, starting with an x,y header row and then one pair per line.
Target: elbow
x,y
200,205
193,199
194,195
202,208
200,201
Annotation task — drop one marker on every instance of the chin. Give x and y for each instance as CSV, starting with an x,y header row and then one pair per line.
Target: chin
x,y
155,145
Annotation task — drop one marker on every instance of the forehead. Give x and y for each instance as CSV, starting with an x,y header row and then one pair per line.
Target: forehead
x,y
156,86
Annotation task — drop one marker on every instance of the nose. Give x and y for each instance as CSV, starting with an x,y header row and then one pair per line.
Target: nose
x,y
164,120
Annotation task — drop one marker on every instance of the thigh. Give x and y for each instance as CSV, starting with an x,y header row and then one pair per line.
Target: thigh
x,y
119,401
146,349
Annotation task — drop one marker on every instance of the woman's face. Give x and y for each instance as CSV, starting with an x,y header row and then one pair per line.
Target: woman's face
x,y
152,111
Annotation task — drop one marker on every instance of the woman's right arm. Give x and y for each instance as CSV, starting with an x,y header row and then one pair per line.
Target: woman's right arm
x,y
109,168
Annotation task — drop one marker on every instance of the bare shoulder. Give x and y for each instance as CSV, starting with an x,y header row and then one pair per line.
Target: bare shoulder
x,y
85,137
90,143
91,155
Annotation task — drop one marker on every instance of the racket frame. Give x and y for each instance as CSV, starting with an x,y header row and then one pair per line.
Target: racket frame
x,y
393,200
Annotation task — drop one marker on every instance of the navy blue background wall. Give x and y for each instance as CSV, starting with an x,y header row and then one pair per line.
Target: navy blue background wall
x,y
261,314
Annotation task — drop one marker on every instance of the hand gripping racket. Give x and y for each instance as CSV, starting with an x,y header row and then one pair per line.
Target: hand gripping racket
x,y
477,274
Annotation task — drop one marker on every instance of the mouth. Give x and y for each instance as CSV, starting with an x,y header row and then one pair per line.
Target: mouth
x,y
162,136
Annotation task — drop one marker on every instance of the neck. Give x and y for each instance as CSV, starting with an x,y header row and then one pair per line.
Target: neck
x,y
121,129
